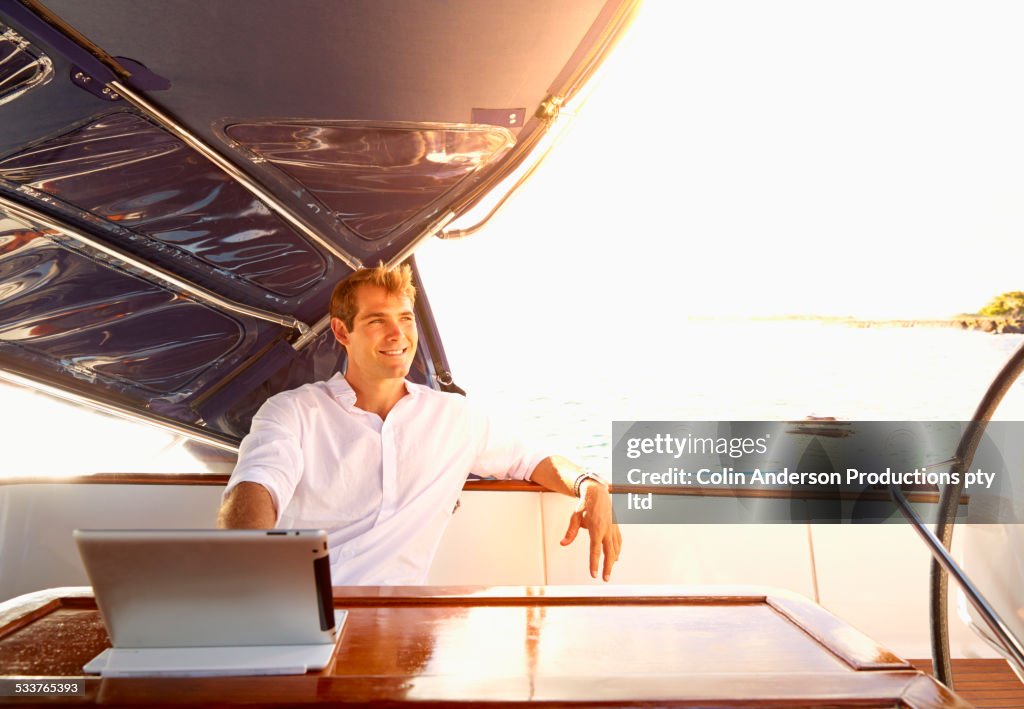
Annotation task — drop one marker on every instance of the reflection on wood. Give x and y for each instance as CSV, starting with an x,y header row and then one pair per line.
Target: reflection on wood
x,y
574,645
986,683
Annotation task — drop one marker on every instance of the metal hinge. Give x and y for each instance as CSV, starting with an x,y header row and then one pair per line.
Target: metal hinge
x,y
549,108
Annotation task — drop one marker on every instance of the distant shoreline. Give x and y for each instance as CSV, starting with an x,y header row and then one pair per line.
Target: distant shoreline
x,y
1002,325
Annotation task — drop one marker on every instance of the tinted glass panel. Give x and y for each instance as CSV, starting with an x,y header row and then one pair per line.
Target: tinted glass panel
x,y
125,169
94,320
374,178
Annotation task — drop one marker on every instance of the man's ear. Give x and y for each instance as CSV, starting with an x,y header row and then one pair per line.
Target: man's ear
x,y
340,331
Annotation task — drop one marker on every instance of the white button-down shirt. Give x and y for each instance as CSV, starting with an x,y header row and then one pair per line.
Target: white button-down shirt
x,y
383,490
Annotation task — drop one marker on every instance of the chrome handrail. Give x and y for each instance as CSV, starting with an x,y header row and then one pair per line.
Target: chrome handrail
x,y
950,500
167,278
943,558
151,109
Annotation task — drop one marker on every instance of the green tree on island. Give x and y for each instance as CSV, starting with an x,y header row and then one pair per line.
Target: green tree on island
x,y
1009,304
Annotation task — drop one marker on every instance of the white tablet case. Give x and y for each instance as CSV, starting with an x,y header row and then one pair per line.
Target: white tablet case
x,y
211,602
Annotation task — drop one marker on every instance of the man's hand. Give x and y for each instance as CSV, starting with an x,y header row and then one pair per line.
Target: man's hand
x,y
594,513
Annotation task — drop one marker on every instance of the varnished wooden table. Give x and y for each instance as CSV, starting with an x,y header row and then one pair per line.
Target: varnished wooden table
x,y
547,646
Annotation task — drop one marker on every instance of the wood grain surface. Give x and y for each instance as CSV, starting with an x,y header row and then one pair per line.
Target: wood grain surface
x,y
504,646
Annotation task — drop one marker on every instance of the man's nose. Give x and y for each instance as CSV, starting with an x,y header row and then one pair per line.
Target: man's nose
x,y
393,330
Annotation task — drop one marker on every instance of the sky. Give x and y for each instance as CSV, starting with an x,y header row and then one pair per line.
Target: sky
x,y
748,158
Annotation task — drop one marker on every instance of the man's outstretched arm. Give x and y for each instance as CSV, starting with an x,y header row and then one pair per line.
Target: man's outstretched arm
x,y
248,506
594,513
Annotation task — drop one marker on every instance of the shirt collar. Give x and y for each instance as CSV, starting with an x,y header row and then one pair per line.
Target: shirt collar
x,y
343,392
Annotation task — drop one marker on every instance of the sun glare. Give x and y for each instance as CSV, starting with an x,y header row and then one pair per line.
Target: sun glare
x,y
746,158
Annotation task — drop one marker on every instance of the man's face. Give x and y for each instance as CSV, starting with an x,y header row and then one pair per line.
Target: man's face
x,y
382,341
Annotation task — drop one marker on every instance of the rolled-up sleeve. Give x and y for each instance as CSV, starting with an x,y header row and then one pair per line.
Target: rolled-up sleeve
x,y
271,454
501,453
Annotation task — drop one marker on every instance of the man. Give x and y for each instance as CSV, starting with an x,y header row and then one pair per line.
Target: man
x,y
378,461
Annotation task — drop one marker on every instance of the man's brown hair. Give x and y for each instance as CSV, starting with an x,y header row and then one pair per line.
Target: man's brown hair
x,y
396,281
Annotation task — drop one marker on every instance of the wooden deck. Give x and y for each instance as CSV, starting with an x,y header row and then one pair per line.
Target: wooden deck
x,y
988,684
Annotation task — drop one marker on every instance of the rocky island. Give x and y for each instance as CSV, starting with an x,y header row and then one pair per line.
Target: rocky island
x,y
1004,314
997,325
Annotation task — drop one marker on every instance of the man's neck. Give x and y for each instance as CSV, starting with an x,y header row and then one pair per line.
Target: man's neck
x,y
377,397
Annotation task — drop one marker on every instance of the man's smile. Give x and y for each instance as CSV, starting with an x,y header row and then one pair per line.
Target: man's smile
x,y
394,353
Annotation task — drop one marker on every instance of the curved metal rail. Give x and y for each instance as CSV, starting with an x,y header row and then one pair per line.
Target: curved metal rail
x,y
31,216
942,557
948,503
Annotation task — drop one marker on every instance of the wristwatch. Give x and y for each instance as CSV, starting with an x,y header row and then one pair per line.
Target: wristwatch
x,y
583,477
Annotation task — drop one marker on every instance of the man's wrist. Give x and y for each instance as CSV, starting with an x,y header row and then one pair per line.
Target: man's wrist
x,y
584,479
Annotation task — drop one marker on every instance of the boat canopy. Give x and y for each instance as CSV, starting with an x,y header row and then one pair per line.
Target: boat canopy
x,y
182,184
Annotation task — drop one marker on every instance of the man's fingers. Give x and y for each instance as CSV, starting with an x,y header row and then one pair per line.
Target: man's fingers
x,y
616,539
611,555
596,516
574,527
